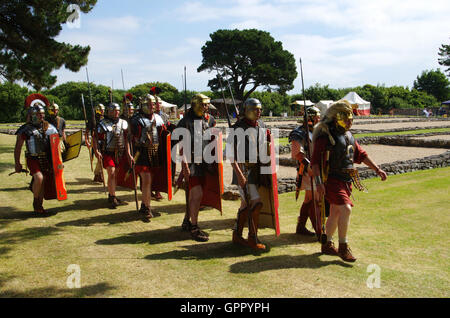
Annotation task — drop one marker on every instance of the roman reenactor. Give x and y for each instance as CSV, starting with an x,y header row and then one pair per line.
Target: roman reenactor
x,y
35,133
128,107
255,187
209,118
112,148
99,115
150,138
58,122
298,141
154,91
335,151
204,180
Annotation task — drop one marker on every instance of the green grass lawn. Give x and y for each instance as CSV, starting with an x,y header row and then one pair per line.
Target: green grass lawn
x,y
402,226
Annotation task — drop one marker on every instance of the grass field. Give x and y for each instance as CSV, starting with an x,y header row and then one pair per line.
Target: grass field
x,y
402,226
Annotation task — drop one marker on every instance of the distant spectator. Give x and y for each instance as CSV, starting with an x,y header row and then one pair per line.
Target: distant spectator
x,y
430,112
426,113
441,111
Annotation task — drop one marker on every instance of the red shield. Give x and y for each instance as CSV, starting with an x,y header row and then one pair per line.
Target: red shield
x,y
268,217
213,189
162,176
58,169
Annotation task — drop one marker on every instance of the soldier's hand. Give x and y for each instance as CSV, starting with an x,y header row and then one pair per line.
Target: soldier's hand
x,y
98,155
382,174
242,181
18,167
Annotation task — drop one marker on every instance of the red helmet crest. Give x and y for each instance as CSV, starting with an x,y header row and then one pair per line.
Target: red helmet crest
x,y
33,98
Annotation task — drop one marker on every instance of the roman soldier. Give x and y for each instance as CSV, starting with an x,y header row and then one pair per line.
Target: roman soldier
x,y
112,148
150,146
35,133
247,172
99,115
57,121
204,180
335,151
128,107
298,141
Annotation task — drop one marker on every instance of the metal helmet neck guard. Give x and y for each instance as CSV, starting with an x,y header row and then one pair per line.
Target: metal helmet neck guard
x,y
251,108
198,104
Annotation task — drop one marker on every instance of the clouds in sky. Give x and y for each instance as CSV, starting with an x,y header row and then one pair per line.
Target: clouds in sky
x,y
342,43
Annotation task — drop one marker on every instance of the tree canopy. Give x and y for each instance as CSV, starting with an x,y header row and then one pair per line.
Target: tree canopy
x,y
444,53
434,83
248,58
28,50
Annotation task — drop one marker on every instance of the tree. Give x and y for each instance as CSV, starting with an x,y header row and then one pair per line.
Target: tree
x,y
12,98
444,52
248,57
28,51
434,83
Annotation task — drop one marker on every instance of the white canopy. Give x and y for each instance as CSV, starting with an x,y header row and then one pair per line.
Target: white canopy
x,y
301,103
165,104
323,106
361,106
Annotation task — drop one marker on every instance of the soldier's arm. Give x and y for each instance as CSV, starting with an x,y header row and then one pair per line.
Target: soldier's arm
x,y
17,152
372,165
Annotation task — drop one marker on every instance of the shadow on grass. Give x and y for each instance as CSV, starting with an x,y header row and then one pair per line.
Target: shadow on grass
x,y
6,166
97,290
110,218
168,235
28,234
206,251
283,262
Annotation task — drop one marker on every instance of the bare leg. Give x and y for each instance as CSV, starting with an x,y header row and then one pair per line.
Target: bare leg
x,y
195,198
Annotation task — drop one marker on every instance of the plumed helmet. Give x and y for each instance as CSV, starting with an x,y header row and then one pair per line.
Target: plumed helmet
x,y
251,107
198,103
35,104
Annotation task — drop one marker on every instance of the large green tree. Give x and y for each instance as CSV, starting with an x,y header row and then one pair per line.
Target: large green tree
x,y
248,59
28,49
444,53
434,83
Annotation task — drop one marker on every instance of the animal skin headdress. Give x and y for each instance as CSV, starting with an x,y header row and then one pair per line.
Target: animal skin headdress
x,y
323,127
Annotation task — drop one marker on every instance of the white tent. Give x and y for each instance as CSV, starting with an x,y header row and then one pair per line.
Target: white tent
x,y
323,106
360,106
168,108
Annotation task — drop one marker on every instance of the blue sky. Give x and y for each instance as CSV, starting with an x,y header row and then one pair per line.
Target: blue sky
x,y
342,43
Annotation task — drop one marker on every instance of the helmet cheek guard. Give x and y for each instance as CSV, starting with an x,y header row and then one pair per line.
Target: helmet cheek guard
x,y
344,120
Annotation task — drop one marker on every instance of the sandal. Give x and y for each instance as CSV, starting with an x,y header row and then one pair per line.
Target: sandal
x,y
198,234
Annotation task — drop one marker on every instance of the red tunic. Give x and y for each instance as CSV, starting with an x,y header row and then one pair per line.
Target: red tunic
x,y
336,191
